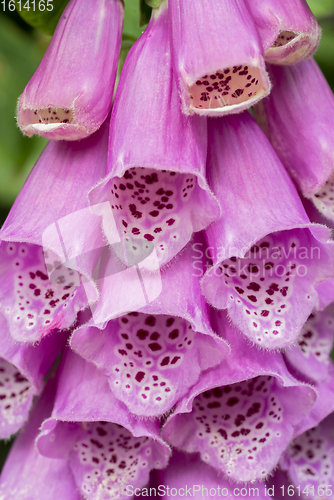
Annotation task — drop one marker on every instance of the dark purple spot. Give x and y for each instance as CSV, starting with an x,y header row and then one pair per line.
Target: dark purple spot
x,y
154,346
139,376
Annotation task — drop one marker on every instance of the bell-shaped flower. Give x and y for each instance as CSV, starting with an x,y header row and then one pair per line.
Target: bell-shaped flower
x,y
22,371
70,94
156,182
154,356
241,415
107,448
289,31
27,474
297,118
187,475
218,58
309,462
267,256
49,206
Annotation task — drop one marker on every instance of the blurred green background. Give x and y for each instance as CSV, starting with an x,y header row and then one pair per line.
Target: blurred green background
x,y
21,49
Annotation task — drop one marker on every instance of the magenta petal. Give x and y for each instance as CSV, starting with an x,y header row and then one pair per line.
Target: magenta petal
x,y
278,485
150,360
188,475
261,257
107,447
145,287
56,187
325,291
297,118
323,406
289,31
53,197
311,357
70,94
309,461
22,372
241,415
27,474
217,56
156,182
153,357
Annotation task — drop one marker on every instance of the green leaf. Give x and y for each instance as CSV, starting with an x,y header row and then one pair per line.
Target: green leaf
x,y
145,12
19,57
46,20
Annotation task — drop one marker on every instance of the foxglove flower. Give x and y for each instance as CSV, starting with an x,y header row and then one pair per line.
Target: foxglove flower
x,y
289,31
27,474
187,475
32,304
70,94
106,447
297,117
156,166
22,370
309,462
241,415
267,256
153,357
217,56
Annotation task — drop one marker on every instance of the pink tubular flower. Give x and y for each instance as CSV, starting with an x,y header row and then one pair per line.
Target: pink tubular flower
x,y
70,94
174,255
264,269
22,370
217,56
188,475
105,446
32,304
154,356
289,31
297,117
156,182
311,358
29,475
309,462
241,415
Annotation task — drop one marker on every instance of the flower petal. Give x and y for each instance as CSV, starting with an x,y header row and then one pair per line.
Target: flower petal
x,y
22,372
311,357
297,117
29,475
261,257
156,183
32,305
241,415
150,360
217,57
289,33
309,460
107,447
153,357
70,94
188,474
33,302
